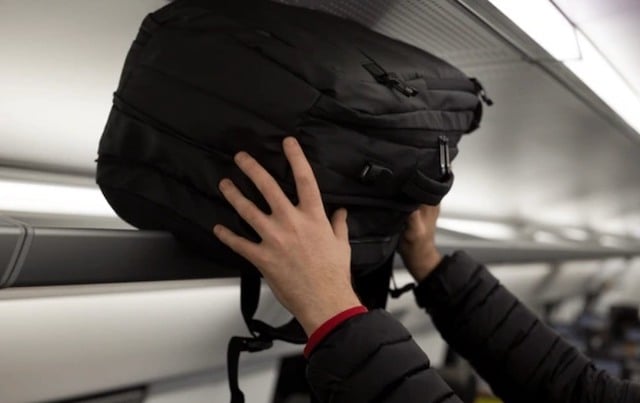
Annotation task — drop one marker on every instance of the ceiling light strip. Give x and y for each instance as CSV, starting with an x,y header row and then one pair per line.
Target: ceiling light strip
x,y
550,28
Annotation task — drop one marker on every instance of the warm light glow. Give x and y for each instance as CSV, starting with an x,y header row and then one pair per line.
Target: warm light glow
x,y
545,24
483,229
53,199
542,21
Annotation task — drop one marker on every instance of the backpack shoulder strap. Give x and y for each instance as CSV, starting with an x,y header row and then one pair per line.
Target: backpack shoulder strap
x,y
262,333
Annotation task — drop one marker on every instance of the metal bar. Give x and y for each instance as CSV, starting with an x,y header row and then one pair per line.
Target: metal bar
x,y
67,256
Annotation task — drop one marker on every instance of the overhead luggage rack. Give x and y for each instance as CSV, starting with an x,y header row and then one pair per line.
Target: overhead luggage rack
x,y
46,255
498,252
34,255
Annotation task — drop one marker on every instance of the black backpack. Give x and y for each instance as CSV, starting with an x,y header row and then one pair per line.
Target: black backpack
x,y
379,120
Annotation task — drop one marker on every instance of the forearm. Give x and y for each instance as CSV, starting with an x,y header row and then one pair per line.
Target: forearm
x,y
522,358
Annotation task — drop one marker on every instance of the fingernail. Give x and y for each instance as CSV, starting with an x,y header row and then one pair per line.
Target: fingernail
x,y
224,184
216,229
290,140
241,156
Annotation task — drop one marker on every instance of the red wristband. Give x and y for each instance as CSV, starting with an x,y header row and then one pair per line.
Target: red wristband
x,y
323,331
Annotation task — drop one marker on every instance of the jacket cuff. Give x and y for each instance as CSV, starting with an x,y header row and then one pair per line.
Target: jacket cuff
x,y
446,281
327,327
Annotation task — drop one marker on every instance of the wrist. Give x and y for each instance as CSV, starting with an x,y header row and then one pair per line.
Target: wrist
x,y
422,267
325,310
327,327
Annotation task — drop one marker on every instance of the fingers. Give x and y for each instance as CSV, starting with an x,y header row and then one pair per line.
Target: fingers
x,y
238,244
415,217
245,207
263,180
339,224
429,210
306,185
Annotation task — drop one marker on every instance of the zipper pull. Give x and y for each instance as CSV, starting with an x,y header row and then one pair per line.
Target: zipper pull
x,y
445,158
481,92
391,80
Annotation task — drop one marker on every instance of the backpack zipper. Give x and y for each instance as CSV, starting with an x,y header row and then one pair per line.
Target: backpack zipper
x,y
390,80
445,157
134,113
393,81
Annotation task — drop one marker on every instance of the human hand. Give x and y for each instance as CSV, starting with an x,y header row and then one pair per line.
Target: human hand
x,y
417,245
304,257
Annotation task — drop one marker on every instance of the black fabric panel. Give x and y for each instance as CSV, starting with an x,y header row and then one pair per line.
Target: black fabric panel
x,y
222,68
339,169
328,53
354,336
398,359
201,117
454,121
632,393
149,214
292,384
444,285
522,358
424,387
134,142
372,357
421,188
372,286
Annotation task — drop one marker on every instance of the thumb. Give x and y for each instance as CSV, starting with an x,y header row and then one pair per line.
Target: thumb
x,y
413,221
339,224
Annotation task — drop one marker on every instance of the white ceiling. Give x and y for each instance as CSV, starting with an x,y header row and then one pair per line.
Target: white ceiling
x,y
614,27
541,154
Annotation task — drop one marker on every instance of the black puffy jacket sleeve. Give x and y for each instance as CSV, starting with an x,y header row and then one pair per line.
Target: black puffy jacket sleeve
x,y
372,358
522,359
